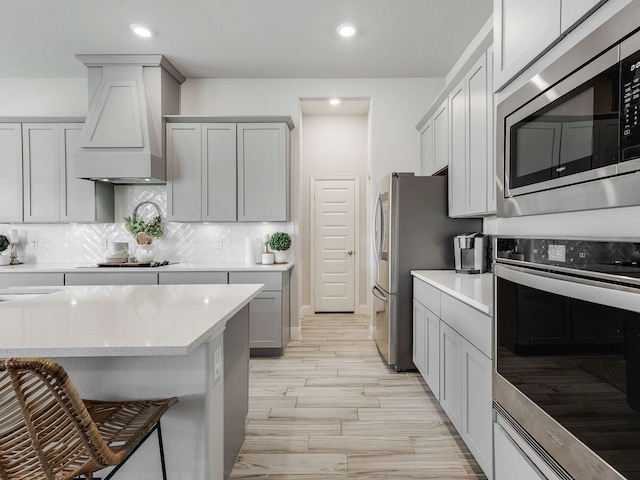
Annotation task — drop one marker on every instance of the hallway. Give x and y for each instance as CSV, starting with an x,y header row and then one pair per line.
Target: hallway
x,y
330,409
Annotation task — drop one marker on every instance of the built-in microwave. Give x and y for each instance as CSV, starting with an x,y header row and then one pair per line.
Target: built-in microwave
x,y
570,137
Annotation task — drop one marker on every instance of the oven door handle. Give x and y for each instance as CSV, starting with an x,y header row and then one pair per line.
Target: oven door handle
x,y
589,290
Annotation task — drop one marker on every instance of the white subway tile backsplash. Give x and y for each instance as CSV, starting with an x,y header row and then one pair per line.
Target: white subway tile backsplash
x,y
185,242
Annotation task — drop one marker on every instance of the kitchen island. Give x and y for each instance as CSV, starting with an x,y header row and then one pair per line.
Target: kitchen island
x,y
150,341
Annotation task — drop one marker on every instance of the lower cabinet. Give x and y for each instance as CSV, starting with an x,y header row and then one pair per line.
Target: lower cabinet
x,y
111,278
450,350
193,278
269,319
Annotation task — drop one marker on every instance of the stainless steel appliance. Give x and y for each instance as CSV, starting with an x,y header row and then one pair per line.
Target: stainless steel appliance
x,y
567,352
470,253
411,230
569,139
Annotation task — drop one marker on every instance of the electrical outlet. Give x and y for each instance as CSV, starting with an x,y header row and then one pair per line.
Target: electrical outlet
x,y
217,363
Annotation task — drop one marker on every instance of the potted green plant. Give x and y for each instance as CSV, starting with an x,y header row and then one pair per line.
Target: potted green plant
x,y
4,244
144,231
280,242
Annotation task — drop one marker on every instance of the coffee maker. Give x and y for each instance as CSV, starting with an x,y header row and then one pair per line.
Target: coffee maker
x,y
470,253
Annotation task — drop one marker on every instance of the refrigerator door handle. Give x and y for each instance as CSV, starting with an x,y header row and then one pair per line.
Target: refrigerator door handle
x,y
375,289
378,240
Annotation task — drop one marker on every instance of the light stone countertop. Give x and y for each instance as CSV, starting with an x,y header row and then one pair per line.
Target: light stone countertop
x,y
105,321
474,290
176,267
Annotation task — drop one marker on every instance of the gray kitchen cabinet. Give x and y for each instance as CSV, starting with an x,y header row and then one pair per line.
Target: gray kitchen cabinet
x,y
41,172
201,170
419,335
441,136
111,278
523,31
471,160
269,317
476,414
491,138
30,279
426,303
192,278
11,178
51,193
263,172
451,373
427,158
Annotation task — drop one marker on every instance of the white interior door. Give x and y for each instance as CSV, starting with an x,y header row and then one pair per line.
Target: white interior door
x,y
334,255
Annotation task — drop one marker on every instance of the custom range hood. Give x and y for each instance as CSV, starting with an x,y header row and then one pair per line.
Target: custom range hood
x,y
122,140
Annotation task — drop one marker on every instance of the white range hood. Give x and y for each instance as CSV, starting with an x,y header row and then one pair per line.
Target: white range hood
x,y
122,140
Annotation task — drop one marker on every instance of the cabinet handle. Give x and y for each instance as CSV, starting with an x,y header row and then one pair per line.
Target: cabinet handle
x,y
350,252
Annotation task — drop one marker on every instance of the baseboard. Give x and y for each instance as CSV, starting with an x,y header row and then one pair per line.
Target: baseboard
x,y
306,310
296,333
362,310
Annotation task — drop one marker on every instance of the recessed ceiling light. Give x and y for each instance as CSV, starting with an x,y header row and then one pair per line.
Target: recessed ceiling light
x,y
141,30
147,179
347,30
334,101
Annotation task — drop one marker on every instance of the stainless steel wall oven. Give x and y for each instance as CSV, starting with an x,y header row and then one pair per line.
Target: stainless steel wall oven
x,y
567,350
570,137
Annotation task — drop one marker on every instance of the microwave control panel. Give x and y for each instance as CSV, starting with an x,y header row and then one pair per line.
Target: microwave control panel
x,y
630,128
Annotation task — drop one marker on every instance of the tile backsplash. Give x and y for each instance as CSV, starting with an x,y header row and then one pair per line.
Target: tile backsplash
x,y
184,242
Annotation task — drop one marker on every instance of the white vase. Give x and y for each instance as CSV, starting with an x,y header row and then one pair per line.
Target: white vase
x,y
280,256
144,254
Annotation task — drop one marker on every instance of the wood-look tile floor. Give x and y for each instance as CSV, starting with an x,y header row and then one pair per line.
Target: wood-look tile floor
x,y
331,409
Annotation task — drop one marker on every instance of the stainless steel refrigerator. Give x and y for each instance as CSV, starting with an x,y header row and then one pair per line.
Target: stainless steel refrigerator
x,y
412,231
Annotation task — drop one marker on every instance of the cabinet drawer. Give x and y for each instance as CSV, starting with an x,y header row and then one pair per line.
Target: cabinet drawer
x,y
427,295
31,279
271,280
111,278
192,278
473,325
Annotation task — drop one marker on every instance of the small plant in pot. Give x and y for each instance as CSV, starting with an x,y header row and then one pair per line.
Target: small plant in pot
x,y
280,242
4,244
144,231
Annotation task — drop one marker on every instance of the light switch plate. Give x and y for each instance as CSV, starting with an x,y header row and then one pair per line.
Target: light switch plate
x,y
217,363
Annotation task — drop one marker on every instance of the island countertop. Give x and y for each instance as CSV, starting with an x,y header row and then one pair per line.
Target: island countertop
x,y
132,320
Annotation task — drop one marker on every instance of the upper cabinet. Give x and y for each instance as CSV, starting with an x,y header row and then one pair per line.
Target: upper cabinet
x,y
39,185
227,171
434,141
524,30
471,161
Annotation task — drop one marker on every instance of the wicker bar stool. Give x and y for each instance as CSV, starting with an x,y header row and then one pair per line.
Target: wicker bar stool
x,y
47,432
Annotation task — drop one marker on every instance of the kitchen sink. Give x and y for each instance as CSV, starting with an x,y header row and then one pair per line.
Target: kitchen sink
x,y
11,294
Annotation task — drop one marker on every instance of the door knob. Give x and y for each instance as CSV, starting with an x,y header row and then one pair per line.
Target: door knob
x,y
350,252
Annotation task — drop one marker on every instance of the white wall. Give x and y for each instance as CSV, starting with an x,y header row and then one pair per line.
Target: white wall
x,y
334,145
53,97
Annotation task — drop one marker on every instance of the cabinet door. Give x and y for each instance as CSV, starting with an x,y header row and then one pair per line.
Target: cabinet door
x,y
263,172
184,172
458,156
523,31
265,320
475,84
219,172
440,124
432,354
450,373
491,137
41,172
11,178
574,11
427,159
477,415
419,335
42,279
510,461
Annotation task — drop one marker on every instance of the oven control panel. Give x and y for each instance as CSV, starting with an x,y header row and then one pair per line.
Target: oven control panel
x,y
629,124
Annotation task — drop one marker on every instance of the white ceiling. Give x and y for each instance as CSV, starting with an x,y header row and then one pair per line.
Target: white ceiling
x,y
243,38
